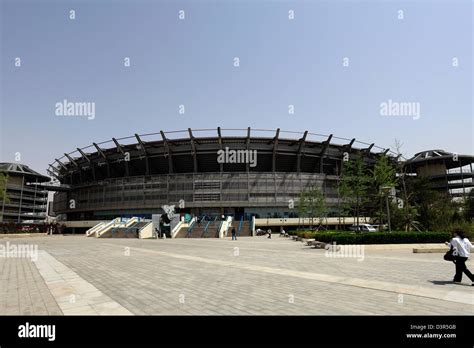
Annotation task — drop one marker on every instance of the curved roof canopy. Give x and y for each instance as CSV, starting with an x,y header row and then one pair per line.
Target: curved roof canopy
x,y
452,160
191,151
17,169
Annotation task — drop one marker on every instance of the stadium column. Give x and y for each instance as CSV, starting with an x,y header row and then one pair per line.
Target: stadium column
x,y
99,150
275,186
167,152
346,148
445,175
193,150
89,161
145,153
220,146
168,189
34,196
21,197
247,144
4,198
76,165
275,146
300,149
120,149
248,164
323,153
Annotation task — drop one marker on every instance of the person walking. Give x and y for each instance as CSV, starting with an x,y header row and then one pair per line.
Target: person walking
x,y
269,234
461,247
234,235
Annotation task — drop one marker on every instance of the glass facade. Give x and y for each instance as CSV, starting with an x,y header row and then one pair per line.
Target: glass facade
x,y
245,190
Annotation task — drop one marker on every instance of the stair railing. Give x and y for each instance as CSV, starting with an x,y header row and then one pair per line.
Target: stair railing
x,y
240,225
190,228
207,225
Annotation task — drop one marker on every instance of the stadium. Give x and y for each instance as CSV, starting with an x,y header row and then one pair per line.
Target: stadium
x,y
135,176
254,176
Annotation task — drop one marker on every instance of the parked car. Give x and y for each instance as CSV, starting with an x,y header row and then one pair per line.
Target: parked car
x,y
363,228
260,232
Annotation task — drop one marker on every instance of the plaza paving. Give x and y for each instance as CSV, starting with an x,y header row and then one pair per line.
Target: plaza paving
x,y
79,275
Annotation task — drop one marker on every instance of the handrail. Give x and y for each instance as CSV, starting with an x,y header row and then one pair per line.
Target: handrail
x,y
240,225
207,225
219,228
108,224
117,222
94,228
191,227
176,229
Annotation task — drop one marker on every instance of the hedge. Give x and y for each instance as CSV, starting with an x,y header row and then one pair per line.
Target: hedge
x,y
12,227
378,237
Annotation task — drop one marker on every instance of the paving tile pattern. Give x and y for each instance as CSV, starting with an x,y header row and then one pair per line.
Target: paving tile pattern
x,y
252,275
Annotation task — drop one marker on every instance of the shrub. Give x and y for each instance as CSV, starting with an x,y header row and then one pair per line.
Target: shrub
x,y
12,227
378,237
306,235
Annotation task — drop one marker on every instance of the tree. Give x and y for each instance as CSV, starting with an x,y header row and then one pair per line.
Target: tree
x,y
312,203
355,183
406,211
404,217
344,205
3,186
441,212
436,210
468,206
384,177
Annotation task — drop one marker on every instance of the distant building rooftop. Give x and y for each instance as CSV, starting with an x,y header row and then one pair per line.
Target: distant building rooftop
x,y
22,170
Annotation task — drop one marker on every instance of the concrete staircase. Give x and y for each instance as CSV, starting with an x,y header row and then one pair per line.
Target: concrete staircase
x,y
131,231
244,229
199,230
120,228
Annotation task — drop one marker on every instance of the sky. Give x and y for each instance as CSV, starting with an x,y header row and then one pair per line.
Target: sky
x,y
336,62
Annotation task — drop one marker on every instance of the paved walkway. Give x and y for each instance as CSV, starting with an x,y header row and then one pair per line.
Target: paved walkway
x,y
79,275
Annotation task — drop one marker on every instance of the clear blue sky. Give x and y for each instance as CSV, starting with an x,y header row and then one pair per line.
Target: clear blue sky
x,y
190,62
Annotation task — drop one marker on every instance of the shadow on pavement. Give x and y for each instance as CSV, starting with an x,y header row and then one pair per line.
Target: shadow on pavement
x,y
444,282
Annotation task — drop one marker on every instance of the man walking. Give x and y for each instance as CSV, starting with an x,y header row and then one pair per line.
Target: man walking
x,y
461,251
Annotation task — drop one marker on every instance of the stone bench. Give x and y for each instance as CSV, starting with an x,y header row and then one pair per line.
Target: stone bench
x,y
430,250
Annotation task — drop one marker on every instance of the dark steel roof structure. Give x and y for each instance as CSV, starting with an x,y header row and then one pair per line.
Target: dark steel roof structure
x,y
195,151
